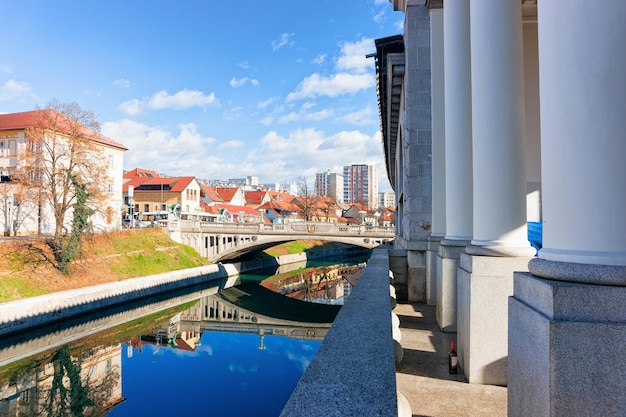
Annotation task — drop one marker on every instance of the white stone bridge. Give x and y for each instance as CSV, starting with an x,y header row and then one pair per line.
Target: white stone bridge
x,y
225,241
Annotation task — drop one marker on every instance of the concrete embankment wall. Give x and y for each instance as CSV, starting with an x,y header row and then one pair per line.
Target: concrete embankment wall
x,y
353,372
21,315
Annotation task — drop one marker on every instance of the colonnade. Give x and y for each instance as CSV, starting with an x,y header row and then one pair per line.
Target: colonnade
x,y
533,97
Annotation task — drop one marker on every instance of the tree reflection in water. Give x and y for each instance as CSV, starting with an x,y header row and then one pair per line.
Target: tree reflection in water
x,y
73,393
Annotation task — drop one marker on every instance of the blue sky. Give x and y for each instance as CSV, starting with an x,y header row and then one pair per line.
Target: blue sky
x,y
275,89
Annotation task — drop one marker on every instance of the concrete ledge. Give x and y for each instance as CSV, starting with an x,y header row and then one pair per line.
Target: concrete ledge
x,y
353,372
21,315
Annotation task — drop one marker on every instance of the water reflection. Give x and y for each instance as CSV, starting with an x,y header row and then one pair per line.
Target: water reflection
x,y
229,351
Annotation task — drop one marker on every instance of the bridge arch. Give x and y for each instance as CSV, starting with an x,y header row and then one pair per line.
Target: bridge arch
x,y
224,241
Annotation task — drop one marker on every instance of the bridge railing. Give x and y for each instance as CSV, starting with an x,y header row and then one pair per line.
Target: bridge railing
x,y
290,228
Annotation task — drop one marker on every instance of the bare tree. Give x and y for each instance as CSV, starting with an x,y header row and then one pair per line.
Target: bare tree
x,y
306,200
61,150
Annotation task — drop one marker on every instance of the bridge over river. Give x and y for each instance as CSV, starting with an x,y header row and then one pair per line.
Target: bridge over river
x,y
226,241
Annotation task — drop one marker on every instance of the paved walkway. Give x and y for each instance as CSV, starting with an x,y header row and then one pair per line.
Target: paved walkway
x,y
423,378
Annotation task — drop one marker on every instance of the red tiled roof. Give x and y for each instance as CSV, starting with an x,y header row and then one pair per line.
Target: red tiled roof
x,y
176,184
227,194
211,192
27,119
140,172
230,208
280,206
255,197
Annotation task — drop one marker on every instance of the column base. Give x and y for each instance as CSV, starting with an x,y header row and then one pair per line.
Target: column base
x,y
565,355
398,265
484,286
447,265
431,269
416,279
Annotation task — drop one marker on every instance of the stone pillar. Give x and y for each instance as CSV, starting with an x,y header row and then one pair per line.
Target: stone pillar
x,y
567,317
438,151
458,157
416,148
500,241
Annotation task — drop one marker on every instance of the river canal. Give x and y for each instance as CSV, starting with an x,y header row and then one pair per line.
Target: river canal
x,y
238,351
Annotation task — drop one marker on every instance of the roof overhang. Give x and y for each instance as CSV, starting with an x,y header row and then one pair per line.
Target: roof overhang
x,y
390,67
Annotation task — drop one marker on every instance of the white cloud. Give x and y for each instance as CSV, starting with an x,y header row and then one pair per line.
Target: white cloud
x,y
363,117
307,151
379,2
379,16
342,83
132,107
6,69
319,59
233,113
122,83
284,40
183,99
230,144
16,90
244,65
265,103
304,116
266,121
352,57
176,153
239,82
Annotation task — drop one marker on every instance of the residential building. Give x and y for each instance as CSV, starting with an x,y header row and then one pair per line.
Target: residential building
x,y
249,182
234,196
240,214
280,212
386,199
329,184
360,185
256,198
148,198
21,215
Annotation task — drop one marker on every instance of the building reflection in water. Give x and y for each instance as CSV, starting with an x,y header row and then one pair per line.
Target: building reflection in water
x,y
85,377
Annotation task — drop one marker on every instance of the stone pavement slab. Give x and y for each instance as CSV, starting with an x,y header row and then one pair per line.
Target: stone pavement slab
x,y
423,378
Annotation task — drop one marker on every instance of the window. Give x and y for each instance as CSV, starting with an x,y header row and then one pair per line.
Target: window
x,y
146,207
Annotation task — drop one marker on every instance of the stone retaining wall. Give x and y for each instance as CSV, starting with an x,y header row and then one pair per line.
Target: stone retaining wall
x,y
20,315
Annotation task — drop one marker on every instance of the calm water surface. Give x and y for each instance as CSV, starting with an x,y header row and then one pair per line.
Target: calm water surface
x,y
239,351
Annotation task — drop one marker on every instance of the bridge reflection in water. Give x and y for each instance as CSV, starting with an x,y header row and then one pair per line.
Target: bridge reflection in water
x,y
200,356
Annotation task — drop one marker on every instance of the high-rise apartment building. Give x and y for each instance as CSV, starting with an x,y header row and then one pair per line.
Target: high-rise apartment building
x,y
329,184
387,199
360,185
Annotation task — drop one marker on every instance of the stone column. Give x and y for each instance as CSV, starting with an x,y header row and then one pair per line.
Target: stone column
x,y
438,150
458,158
567,316
500,242
416,147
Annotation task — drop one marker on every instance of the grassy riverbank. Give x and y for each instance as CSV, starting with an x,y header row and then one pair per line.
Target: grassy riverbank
x,y
27,270
26,267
